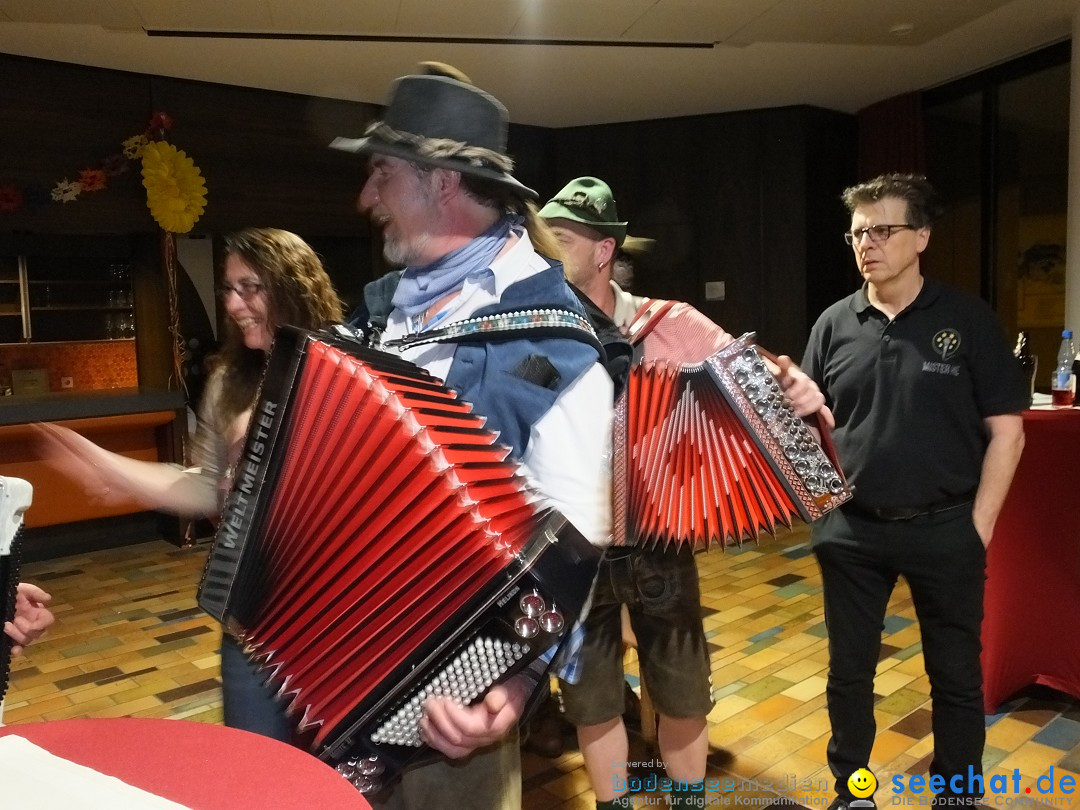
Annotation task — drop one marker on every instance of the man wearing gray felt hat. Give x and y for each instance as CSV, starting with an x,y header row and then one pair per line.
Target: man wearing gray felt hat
x,y
473,251
439,118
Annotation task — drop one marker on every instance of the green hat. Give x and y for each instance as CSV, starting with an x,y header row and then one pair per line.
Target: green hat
x,y
589,201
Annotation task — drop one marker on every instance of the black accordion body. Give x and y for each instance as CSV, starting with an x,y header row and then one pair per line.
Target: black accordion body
x,y
15,498
378,547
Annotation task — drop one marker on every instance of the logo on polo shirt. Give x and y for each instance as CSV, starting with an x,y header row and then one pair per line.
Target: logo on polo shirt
x,y
946,344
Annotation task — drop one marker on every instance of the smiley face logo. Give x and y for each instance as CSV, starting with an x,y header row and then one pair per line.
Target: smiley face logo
x,y
862,783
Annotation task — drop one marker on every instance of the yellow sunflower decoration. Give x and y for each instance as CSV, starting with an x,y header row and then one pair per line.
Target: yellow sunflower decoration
x,y
175,189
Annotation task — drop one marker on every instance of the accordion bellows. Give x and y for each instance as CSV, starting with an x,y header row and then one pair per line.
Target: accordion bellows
x,y
710,454
378,546
387,530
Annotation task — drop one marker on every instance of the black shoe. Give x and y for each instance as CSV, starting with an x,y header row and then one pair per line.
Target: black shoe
x,y
544,737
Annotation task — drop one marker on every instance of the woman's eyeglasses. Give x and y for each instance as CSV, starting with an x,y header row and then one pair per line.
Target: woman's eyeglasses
x,y
245,289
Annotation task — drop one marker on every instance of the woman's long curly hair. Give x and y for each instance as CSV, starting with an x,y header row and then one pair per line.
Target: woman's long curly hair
x,y
299,293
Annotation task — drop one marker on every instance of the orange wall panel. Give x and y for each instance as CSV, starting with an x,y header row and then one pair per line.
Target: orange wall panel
x,y
58,499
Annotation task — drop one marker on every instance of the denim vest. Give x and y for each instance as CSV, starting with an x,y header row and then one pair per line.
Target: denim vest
x,y
511,382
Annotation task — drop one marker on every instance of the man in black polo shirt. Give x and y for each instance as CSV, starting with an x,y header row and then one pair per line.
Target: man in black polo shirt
x,y
926,397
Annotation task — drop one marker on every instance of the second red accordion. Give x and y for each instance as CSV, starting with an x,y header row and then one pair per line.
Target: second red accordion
x,y
378,547
710,454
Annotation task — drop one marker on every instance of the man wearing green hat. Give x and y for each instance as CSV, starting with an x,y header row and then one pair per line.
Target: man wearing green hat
x,y
659,587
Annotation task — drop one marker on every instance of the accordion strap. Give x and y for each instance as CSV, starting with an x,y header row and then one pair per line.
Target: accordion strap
x,y
645,320
519,324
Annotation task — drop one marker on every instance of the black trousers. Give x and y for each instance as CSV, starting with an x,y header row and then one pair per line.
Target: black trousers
x,y
943,561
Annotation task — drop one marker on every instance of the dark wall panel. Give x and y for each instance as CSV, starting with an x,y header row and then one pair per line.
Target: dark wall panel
x,y
263,155
830,167
533,152
741,198
56,120
782,230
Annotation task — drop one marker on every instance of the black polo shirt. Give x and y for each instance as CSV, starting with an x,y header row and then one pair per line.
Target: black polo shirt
x,y
910,396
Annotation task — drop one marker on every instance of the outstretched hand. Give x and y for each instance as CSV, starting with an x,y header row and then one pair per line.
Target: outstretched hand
x,y
78,459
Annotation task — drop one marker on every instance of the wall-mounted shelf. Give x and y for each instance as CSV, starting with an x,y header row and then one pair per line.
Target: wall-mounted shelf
x,y
51,297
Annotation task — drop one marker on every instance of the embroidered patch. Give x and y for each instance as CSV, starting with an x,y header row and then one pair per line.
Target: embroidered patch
x,y
946,343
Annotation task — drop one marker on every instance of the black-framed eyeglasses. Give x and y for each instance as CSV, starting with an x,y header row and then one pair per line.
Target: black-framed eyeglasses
x,y
877,233
245,289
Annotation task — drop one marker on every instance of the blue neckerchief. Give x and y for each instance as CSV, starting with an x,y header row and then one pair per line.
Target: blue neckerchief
x,y
420,287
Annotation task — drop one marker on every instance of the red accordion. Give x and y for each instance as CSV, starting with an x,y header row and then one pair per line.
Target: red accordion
x,y
709,453
378,547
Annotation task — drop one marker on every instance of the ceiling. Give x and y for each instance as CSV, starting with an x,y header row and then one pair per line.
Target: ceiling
x,y
554,63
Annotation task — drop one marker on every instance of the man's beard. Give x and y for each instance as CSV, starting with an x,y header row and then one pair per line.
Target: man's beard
x,y
410,251
575,276
404,254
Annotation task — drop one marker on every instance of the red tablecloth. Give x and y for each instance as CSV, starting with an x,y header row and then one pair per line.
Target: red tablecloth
x,y
1033,567
202,766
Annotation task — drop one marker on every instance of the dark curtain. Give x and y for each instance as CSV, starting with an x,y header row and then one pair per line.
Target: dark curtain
x,y
891,137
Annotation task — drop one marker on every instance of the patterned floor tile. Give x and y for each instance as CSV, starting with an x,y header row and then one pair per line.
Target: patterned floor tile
x,y
1009,734
888,745
806,689
764,689
894,624
901,702
915,725
890,681
992,756
1032,759
785,579
1071,762
1061,733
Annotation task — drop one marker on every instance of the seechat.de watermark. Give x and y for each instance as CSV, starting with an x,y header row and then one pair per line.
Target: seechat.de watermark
x,y
998,789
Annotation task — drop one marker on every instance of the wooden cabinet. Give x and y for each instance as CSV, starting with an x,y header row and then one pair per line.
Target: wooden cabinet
x,y
67,291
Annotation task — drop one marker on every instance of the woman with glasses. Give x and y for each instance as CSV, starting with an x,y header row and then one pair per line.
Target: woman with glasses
x,y
271,277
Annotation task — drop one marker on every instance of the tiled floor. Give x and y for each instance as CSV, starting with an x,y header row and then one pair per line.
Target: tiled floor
x,y
130,641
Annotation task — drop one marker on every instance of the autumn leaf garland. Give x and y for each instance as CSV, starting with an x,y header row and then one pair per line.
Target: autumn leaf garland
x,y
175,189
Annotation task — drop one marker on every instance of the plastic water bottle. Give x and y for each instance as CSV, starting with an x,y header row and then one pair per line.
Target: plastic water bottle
x,y
1063,382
